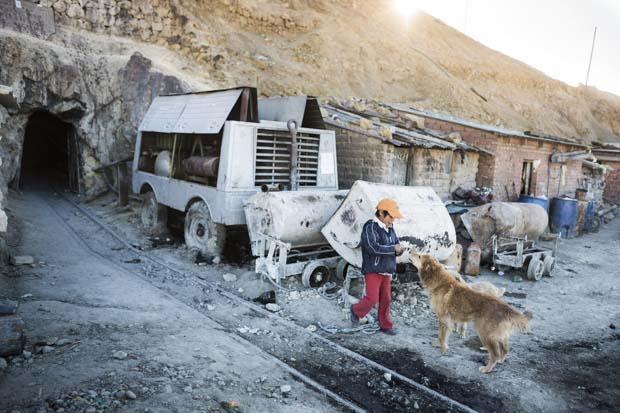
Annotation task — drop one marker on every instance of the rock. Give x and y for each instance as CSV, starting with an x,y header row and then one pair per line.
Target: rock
x,y
612,326
120,355
188,389
311,328
294,295
385,131
26,354
130,395
240,290
167,388
400,297
91,409
365,124
51,341
387,377
22,260
75,11
229,277
285,389
216,260
27,296
3,364
63,342
119,394
47,349
416,406
3,221
272,307
210,307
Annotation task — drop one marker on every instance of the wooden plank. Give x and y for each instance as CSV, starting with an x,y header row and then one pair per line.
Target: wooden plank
x,y
11,335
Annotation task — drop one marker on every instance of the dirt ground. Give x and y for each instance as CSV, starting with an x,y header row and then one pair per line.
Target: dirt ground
x,y
177,359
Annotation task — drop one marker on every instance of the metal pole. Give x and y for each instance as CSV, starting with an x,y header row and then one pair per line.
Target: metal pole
x,y
591,53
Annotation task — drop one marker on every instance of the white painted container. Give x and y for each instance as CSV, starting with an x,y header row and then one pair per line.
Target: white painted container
x,y
293,217
425,227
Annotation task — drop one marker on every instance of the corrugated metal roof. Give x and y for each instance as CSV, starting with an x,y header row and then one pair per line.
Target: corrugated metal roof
x,y
401,136
190,113
489,128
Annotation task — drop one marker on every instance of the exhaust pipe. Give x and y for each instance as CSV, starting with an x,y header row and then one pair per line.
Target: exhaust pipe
x,y
292,128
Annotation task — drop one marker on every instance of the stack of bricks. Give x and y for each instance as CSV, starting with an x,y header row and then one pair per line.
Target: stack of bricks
x,y
612,187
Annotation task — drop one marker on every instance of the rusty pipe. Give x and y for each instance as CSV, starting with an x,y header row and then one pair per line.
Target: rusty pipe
x,y
292,128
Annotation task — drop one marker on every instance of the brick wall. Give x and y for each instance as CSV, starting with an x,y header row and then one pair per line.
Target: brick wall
x,y
431,167
503,172
612,186
367,158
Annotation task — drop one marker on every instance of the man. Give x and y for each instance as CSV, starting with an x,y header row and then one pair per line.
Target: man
x,y
380,246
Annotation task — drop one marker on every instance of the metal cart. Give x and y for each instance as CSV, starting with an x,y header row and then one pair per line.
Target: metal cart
x,y
517,252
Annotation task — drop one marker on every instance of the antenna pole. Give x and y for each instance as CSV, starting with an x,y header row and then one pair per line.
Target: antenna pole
x,y
591,54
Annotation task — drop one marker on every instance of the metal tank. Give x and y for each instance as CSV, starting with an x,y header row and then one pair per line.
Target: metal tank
x,y
291,217
504,219
425,227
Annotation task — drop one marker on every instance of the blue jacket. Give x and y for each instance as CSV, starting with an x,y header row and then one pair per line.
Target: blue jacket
x,y
378,253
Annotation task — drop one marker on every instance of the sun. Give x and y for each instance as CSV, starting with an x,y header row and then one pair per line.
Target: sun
x,y
406,8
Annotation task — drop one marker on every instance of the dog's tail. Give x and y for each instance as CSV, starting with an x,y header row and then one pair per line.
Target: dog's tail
x,y
520,321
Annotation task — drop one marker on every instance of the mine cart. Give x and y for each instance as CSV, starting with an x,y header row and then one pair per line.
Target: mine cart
x,y
517,252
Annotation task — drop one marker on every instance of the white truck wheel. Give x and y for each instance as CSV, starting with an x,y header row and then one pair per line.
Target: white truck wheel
x,y
201,233
153,215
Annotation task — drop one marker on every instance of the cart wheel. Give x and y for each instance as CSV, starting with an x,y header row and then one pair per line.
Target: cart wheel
x,y
549,263
315,275
595,225
535,269
341,269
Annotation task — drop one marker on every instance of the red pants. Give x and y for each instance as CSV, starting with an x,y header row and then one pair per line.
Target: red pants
x,y
378,289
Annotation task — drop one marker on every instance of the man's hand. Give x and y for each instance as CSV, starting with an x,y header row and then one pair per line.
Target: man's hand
x,y
399,250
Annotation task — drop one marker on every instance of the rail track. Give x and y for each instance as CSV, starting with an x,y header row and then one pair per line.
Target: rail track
x,y
349,379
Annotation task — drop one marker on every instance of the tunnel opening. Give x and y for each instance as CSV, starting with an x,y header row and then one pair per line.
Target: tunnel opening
x,y
50,154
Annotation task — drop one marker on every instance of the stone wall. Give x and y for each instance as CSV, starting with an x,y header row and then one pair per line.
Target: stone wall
x,y
367,158
361,156
503,171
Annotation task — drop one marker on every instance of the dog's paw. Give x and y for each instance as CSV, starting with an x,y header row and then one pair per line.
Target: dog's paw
x,y
444,350
484,369
436,343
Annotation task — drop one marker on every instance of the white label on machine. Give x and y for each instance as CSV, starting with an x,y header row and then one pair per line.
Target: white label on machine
x,y
327,163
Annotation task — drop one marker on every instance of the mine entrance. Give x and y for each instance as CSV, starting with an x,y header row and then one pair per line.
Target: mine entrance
x,y
50,153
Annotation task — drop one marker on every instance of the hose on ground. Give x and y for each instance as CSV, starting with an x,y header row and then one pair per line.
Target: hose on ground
x,y
370,328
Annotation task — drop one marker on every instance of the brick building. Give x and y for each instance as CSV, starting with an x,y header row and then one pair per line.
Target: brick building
x,y
381,151
610,157
524,163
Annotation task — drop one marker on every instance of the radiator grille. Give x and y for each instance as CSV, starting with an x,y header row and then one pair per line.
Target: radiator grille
x,y
273,158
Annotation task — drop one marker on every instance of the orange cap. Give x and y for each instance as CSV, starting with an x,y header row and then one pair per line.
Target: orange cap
x,y
389,205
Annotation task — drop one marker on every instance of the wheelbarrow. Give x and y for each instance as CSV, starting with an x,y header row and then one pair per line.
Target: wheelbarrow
x,y
521,253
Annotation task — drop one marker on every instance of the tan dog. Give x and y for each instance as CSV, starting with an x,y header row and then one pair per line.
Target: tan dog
x,y
455,302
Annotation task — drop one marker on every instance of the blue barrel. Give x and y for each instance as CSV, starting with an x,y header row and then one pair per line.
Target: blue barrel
x,y
563,216
527,199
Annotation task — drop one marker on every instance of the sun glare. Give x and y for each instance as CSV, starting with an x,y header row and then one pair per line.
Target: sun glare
x,y
405,8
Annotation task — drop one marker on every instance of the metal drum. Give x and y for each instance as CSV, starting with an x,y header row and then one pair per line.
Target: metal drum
x,y
426,225
563,216
293,217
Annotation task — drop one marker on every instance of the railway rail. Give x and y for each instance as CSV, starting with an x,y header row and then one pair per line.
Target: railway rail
x,y
349,379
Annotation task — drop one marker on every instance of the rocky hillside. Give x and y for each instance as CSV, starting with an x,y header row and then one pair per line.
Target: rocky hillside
x,y
353,48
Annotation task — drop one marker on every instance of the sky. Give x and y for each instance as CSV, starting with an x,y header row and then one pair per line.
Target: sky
x,y
553,36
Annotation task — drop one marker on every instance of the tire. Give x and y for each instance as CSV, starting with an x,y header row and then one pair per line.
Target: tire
x,y
549,263
341,269
535,269
153,215
596,224
201,233
315,275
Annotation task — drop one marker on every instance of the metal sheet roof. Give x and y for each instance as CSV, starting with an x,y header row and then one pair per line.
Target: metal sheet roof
x,y
489,128
190,113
